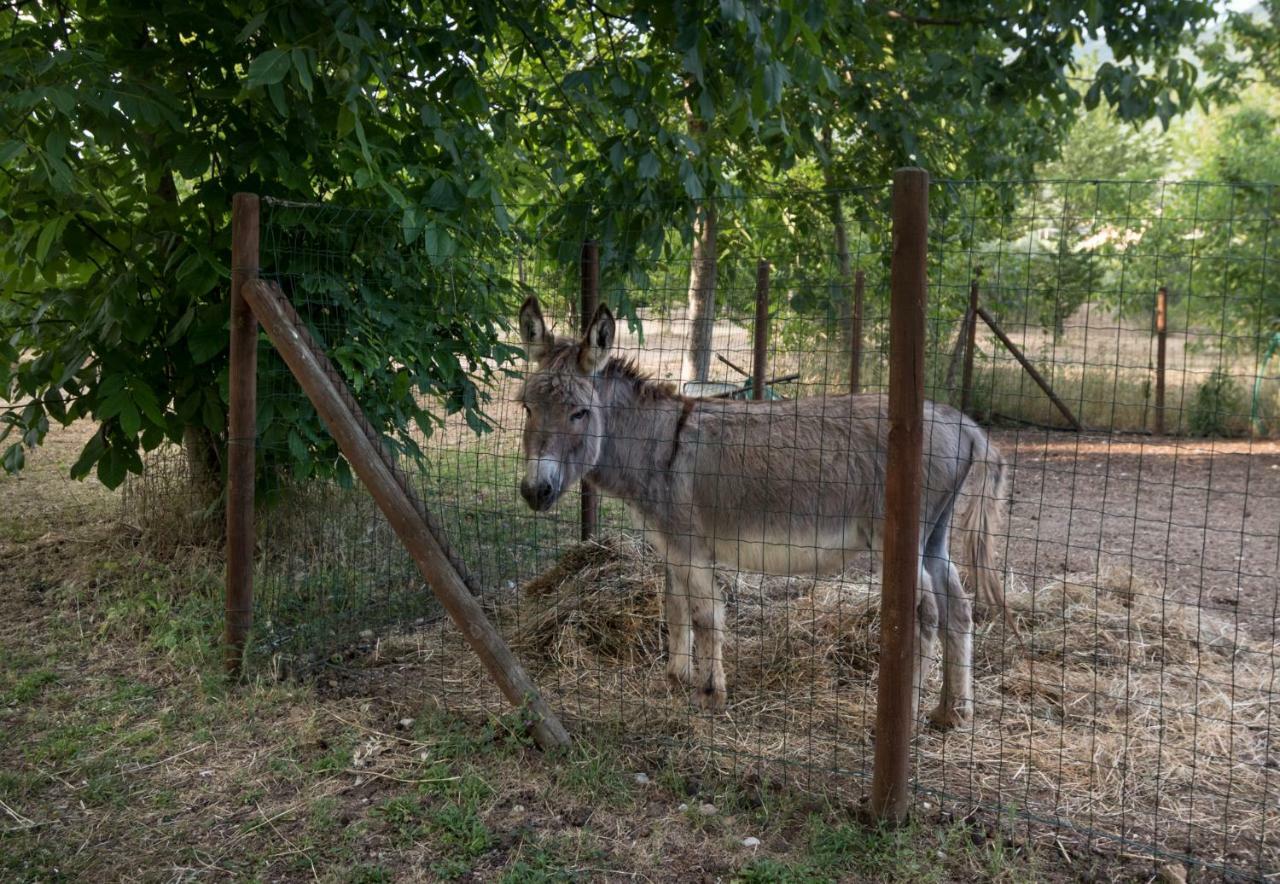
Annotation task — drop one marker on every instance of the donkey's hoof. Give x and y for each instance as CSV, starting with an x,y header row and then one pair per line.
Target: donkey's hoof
x,y
710,698
946,718
680,675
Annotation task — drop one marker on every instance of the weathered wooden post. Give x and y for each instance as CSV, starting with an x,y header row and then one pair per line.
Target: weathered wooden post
x,y
404,510
898,642
855,334
985,316
590,301
242,429
1162,306
760,358
971,342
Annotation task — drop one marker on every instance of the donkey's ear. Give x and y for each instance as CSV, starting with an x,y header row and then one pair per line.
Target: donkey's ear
x,y
597,343
533,330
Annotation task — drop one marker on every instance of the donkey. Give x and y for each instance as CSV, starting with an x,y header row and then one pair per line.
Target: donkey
x,y
792,487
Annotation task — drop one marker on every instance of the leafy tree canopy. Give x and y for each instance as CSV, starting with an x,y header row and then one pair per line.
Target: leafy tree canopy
x,y
128,125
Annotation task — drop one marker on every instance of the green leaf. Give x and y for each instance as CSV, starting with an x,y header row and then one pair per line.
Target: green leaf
x,y
130,419
692,183
207,342
63,99
146,400
276,91
269,67
212,413
252,27
346,120
297,448
14,458
89,455
300,65
47,235
9,150
648,166
112,468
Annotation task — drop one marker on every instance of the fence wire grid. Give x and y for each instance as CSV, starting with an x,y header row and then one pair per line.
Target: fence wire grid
x,y
1128,699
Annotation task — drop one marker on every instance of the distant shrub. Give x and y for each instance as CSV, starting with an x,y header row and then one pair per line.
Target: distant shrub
x,y
1218,407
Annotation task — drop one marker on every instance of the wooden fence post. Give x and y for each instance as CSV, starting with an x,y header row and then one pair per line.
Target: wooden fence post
x,y
971,343
242,417
898,642
590,301
1162,308
855,334
760,357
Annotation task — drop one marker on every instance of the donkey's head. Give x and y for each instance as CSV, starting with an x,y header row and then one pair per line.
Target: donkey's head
x,y
563,415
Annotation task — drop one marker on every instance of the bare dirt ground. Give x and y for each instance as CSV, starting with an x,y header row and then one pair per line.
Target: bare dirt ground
x,y
1200,517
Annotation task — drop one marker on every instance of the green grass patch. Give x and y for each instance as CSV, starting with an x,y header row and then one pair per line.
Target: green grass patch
x,y
29,686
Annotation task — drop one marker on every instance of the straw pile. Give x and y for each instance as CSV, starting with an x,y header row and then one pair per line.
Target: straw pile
x,y
1126,714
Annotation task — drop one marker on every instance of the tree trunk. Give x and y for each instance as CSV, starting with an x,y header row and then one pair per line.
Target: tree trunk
x,y
696,365
702,297
204,461
844,308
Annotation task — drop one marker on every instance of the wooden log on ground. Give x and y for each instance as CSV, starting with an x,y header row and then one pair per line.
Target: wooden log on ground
x,y
1030,369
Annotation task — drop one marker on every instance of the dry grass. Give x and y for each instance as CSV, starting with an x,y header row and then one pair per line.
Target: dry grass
x,y
1140,718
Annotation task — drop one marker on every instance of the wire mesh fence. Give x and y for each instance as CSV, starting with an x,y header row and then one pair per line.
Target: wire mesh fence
x,y
1125,698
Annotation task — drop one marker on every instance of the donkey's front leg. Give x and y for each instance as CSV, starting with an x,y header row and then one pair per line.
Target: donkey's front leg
x,y
679,630
708,634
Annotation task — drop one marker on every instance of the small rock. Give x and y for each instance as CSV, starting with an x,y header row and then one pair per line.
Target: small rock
x,y
1173,873
707,810
406,723
925,805
751,841
683,807
423,755
206,773
642,779
366,635
519,808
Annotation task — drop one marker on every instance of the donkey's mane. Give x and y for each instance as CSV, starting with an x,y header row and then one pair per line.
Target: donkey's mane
x,y
565,356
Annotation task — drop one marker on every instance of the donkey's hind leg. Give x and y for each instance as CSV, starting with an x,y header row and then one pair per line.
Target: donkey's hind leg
x,y
955,706
679,631
926,636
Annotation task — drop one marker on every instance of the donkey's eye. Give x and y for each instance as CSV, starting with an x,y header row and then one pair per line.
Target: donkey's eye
x,y
579,414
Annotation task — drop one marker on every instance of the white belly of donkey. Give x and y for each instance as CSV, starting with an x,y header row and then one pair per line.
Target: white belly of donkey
x,y
796,550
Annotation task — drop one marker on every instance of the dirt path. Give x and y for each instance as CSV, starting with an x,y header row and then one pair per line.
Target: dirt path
x,y
1200,516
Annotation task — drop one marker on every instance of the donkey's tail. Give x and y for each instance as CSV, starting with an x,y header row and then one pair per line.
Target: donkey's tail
x,y
980,517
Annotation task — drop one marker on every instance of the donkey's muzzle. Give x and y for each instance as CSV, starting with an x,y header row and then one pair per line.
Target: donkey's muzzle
x,y
539,495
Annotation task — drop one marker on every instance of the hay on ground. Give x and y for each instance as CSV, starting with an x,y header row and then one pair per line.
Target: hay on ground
x,y
1127,714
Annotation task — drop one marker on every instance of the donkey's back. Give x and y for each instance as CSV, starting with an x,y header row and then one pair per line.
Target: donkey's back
x,y
796,486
